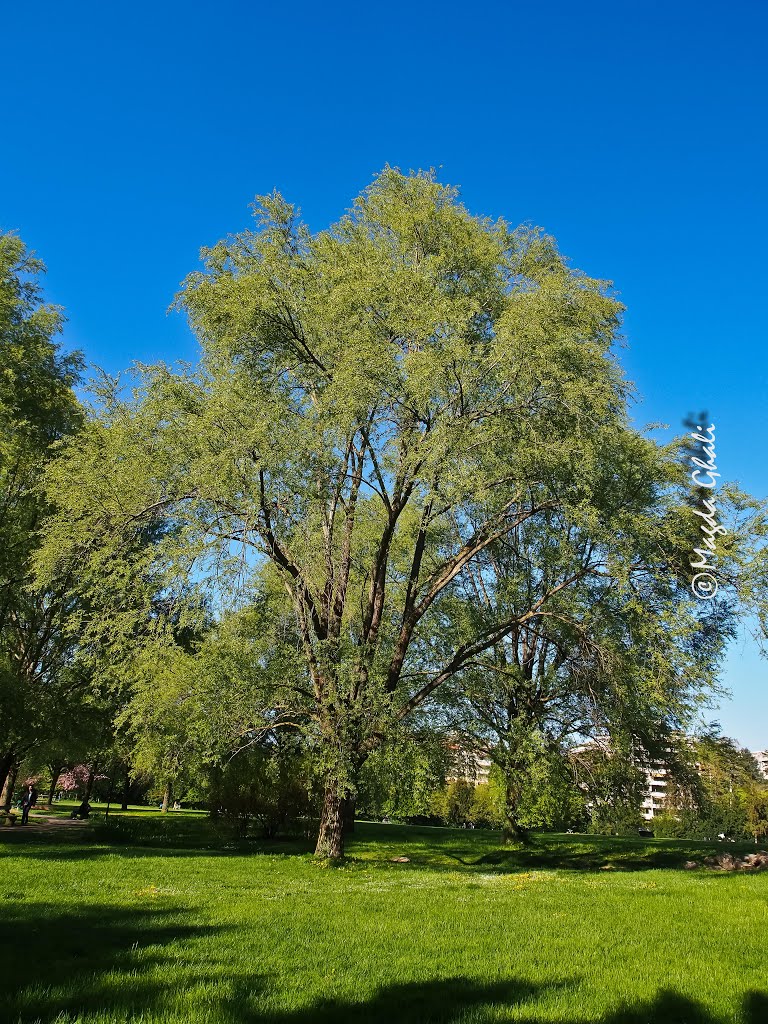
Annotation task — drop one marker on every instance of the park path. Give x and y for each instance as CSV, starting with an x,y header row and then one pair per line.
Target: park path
x,y
44,823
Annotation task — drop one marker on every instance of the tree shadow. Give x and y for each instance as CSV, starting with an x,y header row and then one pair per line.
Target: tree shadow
x,y
453,1000
438,1001
614,854
93,843
373,845
58,962
115,961
669,1007
95,853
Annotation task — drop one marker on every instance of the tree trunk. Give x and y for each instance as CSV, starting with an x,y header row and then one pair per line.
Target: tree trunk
x,y
167,796
126,790
6,799
513,830
89,783
54,781
6,763
330,840
350,801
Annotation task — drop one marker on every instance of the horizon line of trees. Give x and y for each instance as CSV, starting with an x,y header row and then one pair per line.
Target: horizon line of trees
x,y
720,791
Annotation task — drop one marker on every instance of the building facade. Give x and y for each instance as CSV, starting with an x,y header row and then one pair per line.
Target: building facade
x,y
761,756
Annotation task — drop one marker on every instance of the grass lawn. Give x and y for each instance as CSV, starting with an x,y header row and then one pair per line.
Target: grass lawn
x,y
150,919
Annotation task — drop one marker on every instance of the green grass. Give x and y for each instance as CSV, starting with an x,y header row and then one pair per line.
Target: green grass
x,y
175,920
63,809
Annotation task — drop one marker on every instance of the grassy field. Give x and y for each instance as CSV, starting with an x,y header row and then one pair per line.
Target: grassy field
x,y
174,920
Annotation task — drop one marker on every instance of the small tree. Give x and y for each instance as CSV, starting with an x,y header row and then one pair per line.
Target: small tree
x,y
458,801
487,806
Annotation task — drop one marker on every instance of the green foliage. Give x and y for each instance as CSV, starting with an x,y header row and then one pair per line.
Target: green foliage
x,y
486,810
549,798
613,783
379,407
399,779
268,782
757,814
459,798
719,795
669,826
38,408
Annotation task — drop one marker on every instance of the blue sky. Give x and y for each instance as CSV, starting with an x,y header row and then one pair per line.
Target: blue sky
x,y
133,134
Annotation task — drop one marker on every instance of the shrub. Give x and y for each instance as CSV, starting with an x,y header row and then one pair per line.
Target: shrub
x,y
667,826
485,810
265,783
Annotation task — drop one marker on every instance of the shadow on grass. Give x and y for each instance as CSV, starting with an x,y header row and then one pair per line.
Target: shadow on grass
x,y
149,837
481,849
372,845
117,963
622,859
453,1000
671,1008
591,854
440,1001
87,960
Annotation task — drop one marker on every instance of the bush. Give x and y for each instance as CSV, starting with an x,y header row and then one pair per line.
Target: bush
x,y
268,784
667,826
616,819
485,810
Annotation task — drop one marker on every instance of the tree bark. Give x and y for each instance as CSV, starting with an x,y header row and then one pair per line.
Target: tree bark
x,y
350,802
6,764
330,839
513,830
89,783
54,781
8,786
167,796
126,790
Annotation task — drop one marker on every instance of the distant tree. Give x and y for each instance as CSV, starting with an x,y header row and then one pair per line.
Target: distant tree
x,y
613,783
757,813
487,810
399,779
727,777
459,798
621,648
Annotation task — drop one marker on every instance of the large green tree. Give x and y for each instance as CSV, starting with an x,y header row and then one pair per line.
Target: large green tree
x,y
376,405
37,408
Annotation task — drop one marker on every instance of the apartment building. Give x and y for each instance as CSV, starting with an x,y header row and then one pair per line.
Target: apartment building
x,y
656,783
469,766
761,756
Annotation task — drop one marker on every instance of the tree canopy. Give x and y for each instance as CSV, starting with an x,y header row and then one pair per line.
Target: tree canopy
x,y
378,407
38,407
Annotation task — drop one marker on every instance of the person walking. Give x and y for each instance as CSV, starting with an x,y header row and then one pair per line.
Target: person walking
x,y
28,801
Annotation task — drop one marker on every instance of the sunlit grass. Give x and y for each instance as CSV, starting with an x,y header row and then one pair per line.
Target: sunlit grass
x,y
571,929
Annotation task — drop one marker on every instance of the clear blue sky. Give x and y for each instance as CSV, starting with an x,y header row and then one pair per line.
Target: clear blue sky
x,y
132,134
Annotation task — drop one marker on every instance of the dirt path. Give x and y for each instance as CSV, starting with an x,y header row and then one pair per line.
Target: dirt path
x,y
43,823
